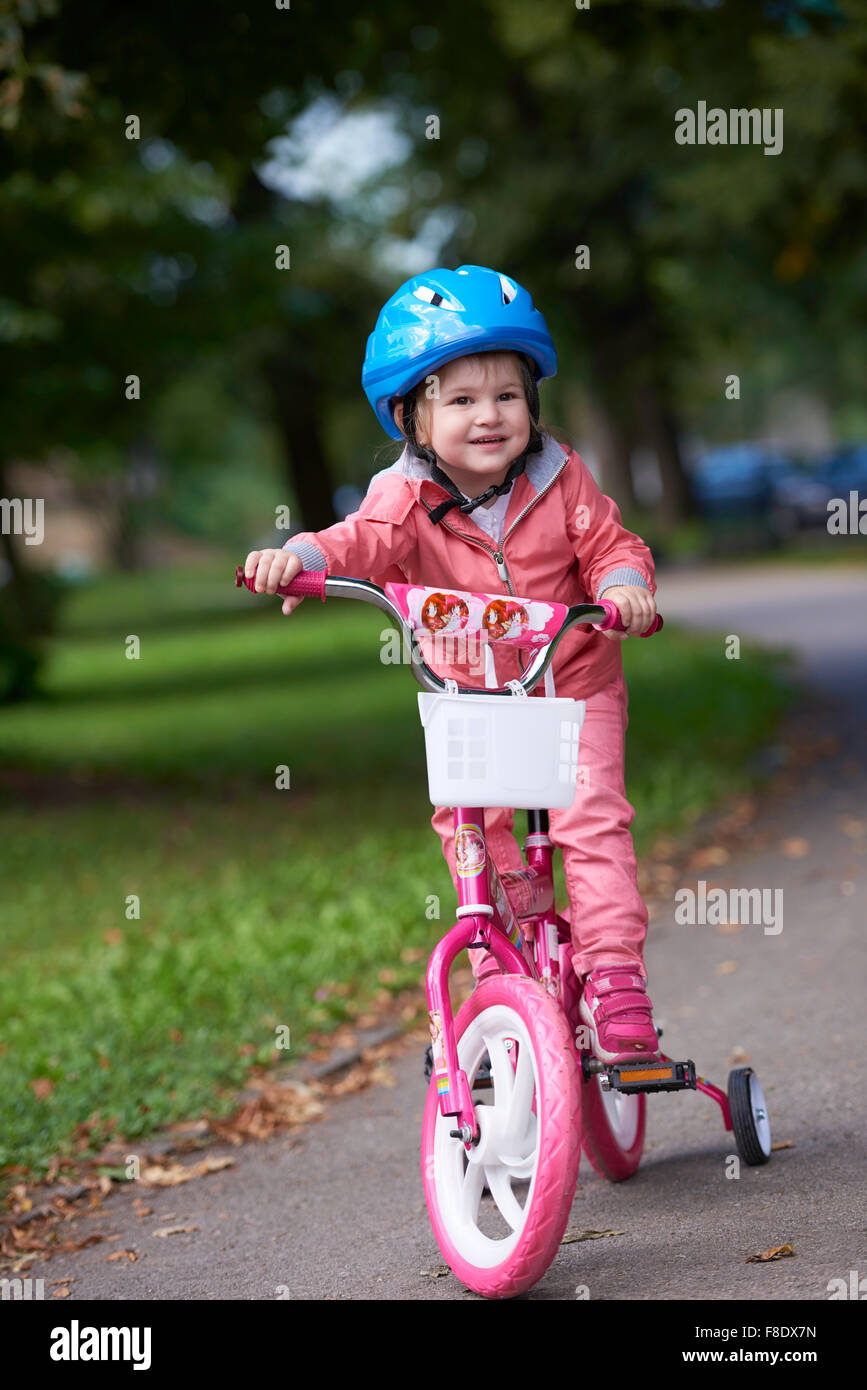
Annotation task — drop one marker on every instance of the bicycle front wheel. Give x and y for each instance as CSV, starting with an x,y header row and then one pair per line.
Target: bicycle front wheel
x,y
499,1211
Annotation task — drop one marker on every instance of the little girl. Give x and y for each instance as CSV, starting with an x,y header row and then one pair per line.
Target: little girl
x,y
483,498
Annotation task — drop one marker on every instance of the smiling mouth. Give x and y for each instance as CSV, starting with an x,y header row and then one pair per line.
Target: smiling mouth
x,y
491,439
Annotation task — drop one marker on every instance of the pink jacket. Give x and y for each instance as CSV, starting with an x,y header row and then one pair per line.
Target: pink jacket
x,y
562,539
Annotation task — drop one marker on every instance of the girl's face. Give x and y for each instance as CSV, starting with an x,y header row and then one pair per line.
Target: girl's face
x,y
477,400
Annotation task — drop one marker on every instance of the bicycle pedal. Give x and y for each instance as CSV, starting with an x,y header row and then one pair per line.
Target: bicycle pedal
x,y
631,1077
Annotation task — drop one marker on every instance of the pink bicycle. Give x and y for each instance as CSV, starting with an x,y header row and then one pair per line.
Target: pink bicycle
x,y
515,1091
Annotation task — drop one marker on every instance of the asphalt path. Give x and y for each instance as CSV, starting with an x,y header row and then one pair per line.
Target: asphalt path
x,y
337,1211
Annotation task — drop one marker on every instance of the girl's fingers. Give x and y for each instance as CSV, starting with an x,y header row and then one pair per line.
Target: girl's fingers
x,y
275,571
262,569
646,616
251,562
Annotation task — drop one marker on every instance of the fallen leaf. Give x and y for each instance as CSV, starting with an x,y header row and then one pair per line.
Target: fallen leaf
x,y
121,1255
572,1236
68,1245
185,1127
737,1056
279,1104
667,873
60,1293
67,1279
174,1230
41,1087
175,1173
663,847
707,858
726,967
795,848
783,1144
113,937
438,1272
776,1252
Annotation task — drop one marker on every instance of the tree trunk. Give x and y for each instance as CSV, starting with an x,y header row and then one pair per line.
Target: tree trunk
x,y
660,431
611,436
298,412
131,493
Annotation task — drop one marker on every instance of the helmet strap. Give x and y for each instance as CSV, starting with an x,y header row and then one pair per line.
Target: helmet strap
x,y
495,490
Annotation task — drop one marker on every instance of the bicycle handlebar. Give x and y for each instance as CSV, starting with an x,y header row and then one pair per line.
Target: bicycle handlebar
x,y
318,584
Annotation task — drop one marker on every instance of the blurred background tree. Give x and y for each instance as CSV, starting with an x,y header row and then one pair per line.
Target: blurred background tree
x,y
258,129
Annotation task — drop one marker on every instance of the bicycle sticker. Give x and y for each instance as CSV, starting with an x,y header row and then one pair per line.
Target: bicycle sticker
x,y
444,613
438,1051
553,982
523,622
469,850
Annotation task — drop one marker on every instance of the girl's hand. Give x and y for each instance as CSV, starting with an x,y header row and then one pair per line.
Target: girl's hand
x,y
636,608
273,568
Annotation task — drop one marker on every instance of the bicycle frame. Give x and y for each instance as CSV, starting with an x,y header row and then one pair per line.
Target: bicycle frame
x,y
512,916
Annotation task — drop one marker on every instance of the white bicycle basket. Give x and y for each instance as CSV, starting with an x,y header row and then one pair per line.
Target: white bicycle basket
x,y
498,750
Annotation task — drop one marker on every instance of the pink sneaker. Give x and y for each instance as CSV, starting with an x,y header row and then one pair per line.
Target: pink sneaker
x,y
619,1013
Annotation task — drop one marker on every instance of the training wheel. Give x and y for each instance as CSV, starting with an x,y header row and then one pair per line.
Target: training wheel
x,y
752,1129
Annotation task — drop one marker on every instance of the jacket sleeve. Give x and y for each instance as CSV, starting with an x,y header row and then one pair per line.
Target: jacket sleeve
x,y
372,540
607,553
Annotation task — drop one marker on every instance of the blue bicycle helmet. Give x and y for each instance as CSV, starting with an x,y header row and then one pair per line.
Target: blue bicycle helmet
x,y
443,314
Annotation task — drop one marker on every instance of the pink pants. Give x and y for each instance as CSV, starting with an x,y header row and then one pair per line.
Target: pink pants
x,y
608,917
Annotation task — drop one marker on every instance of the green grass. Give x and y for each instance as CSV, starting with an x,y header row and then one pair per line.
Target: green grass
x,y
259,908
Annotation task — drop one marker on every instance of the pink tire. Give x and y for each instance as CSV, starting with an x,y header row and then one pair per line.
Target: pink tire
x,y
529,1138
612,1124
612,1130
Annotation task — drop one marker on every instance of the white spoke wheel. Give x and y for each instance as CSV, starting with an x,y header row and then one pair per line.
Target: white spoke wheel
x,y
499,1211
750,1123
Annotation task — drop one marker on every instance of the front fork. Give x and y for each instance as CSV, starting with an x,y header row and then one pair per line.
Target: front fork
x,y
474,931
486,921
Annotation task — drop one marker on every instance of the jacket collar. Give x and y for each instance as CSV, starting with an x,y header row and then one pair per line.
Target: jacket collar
x,y
539,471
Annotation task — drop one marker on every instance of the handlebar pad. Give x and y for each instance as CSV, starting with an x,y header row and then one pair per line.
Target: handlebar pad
x,y
307,584
615,622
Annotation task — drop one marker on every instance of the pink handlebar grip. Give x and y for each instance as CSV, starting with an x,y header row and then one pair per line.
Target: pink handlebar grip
x,y
615,622
307,584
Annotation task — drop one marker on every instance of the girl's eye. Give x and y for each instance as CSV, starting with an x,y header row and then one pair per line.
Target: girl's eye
x,y
459,399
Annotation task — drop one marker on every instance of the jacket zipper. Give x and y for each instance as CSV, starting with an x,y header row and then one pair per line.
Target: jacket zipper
x,y
534,500
497,555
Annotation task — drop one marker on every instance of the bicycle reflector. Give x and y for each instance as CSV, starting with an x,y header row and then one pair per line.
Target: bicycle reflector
x,y
652,1076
